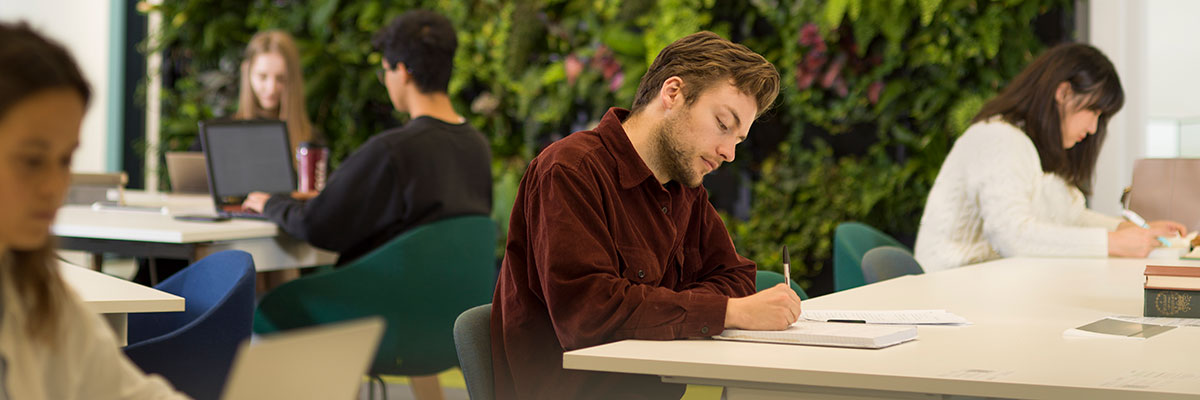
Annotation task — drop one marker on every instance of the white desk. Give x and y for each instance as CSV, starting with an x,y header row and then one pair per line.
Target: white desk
x,y
1015,349
152,234
115,298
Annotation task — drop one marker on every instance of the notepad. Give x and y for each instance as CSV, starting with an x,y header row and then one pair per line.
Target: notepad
x,y
898,317
1111,327
828,334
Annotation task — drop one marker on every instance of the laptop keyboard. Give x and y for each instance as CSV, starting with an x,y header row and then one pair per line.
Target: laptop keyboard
x,y
246,215
239,212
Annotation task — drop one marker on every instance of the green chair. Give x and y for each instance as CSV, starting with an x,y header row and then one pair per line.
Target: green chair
x,y
851,240
767,279
419,283
887,262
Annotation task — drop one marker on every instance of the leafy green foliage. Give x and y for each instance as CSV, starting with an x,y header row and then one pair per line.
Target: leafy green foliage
x,y
527,72
914,71
911,73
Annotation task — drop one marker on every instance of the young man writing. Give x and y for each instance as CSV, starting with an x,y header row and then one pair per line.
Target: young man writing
x,y
434,167
612,237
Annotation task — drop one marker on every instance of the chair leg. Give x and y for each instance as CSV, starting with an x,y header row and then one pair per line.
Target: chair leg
x,y
426,387
153,271
382,386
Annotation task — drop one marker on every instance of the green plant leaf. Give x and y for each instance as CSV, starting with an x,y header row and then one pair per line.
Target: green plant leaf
x,y
834,10
928,8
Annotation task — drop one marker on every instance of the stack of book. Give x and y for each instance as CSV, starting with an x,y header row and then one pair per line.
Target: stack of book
x,y
1172,292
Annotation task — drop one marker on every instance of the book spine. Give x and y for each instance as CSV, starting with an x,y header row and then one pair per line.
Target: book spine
x,y
1172,303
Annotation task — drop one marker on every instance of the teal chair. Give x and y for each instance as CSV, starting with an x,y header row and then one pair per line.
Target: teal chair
x,y
852,240
419,283
473,339
887,262
767,279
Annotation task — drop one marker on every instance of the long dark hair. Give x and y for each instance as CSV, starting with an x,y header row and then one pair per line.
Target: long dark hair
x,y
30,64
1028,101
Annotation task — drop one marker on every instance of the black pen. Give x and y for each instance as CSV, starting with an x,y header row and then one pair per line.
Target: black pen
x,y
847,321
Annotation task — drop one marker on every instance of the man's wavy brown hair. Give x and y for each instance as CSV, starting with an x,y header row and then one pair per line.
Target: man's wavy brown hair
x,y
703,59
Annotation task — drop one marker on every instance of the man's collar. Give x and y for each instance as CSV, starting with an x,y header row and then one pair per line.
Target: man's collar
x,y
631,168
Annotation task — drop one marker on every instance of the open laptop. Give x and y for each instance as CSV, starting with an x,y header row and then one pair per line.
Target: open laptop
x,y
244,157
187,171
324,362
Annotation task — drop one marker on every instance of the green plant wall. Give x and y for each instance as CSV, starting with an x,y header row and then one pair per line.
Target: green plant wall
x,y
909,73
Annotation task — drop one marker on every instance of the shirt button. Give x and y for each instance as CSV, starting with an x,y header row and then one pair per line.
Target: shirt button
x,y
664,209
641,273
704,330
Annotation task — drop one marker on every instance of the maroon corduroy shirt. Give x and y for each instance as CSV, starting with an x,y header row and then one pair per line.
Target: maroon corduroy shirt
x,y
598,251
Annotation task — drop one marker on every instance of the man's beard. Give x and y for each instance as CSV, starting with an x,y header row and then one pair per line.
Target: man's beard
x,y
671,154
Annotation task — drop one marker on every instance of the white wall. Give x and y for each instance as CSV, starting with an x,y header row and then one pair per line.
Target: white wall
x,y
1154,45
1173,44
1119,29
82,26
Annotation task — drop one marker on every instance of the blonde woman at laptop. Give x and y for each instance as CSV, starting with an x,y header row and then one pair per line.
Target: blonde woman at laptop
x,y
51,347
1014,183
272,87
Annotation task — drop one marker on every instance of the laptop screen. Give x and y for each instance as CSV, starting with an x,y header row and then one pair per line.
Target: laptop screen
x,y
248,156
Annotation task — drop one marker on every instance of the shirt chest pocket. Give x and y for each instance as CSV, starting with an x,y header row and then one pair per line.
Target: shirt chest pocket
x,y
640,265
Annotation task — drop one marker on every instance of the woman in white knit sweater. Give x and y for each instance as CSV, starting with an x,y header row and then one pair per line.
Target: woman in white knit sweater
x,y
51,347
1014,183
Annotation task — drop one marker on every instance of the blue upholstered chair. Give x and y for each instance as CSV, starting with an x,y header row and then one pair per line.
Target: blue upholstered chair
x,y
473,342
887,262
194,349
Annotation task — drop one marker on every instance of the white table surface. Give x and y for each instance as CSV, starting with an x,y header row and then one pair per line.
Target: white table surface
x,y
85,222
1014,349
262,239
115,298
107,294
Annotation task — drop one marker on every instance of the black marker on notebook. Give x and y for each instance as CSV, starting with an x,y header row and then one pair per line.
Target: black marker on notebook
x,y
848,321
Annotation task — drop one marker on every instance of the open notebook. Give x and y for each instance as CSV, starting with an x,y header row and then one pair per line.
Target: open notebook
x,y
834,334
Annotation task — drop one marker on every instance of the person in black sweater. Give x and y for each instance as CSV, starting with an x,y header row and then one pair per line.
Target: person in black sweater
x,y
434,167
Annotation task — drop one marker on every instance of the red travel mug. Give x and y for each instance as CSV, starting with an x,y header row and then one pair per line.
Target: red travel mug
x,y
312,159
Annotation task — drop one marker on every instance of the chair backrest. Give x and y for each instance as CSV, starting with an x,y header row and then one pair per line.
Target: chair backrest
x,y
1166,188
418,282
851,240
194,349
887,262
473,341
88,188
767,279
